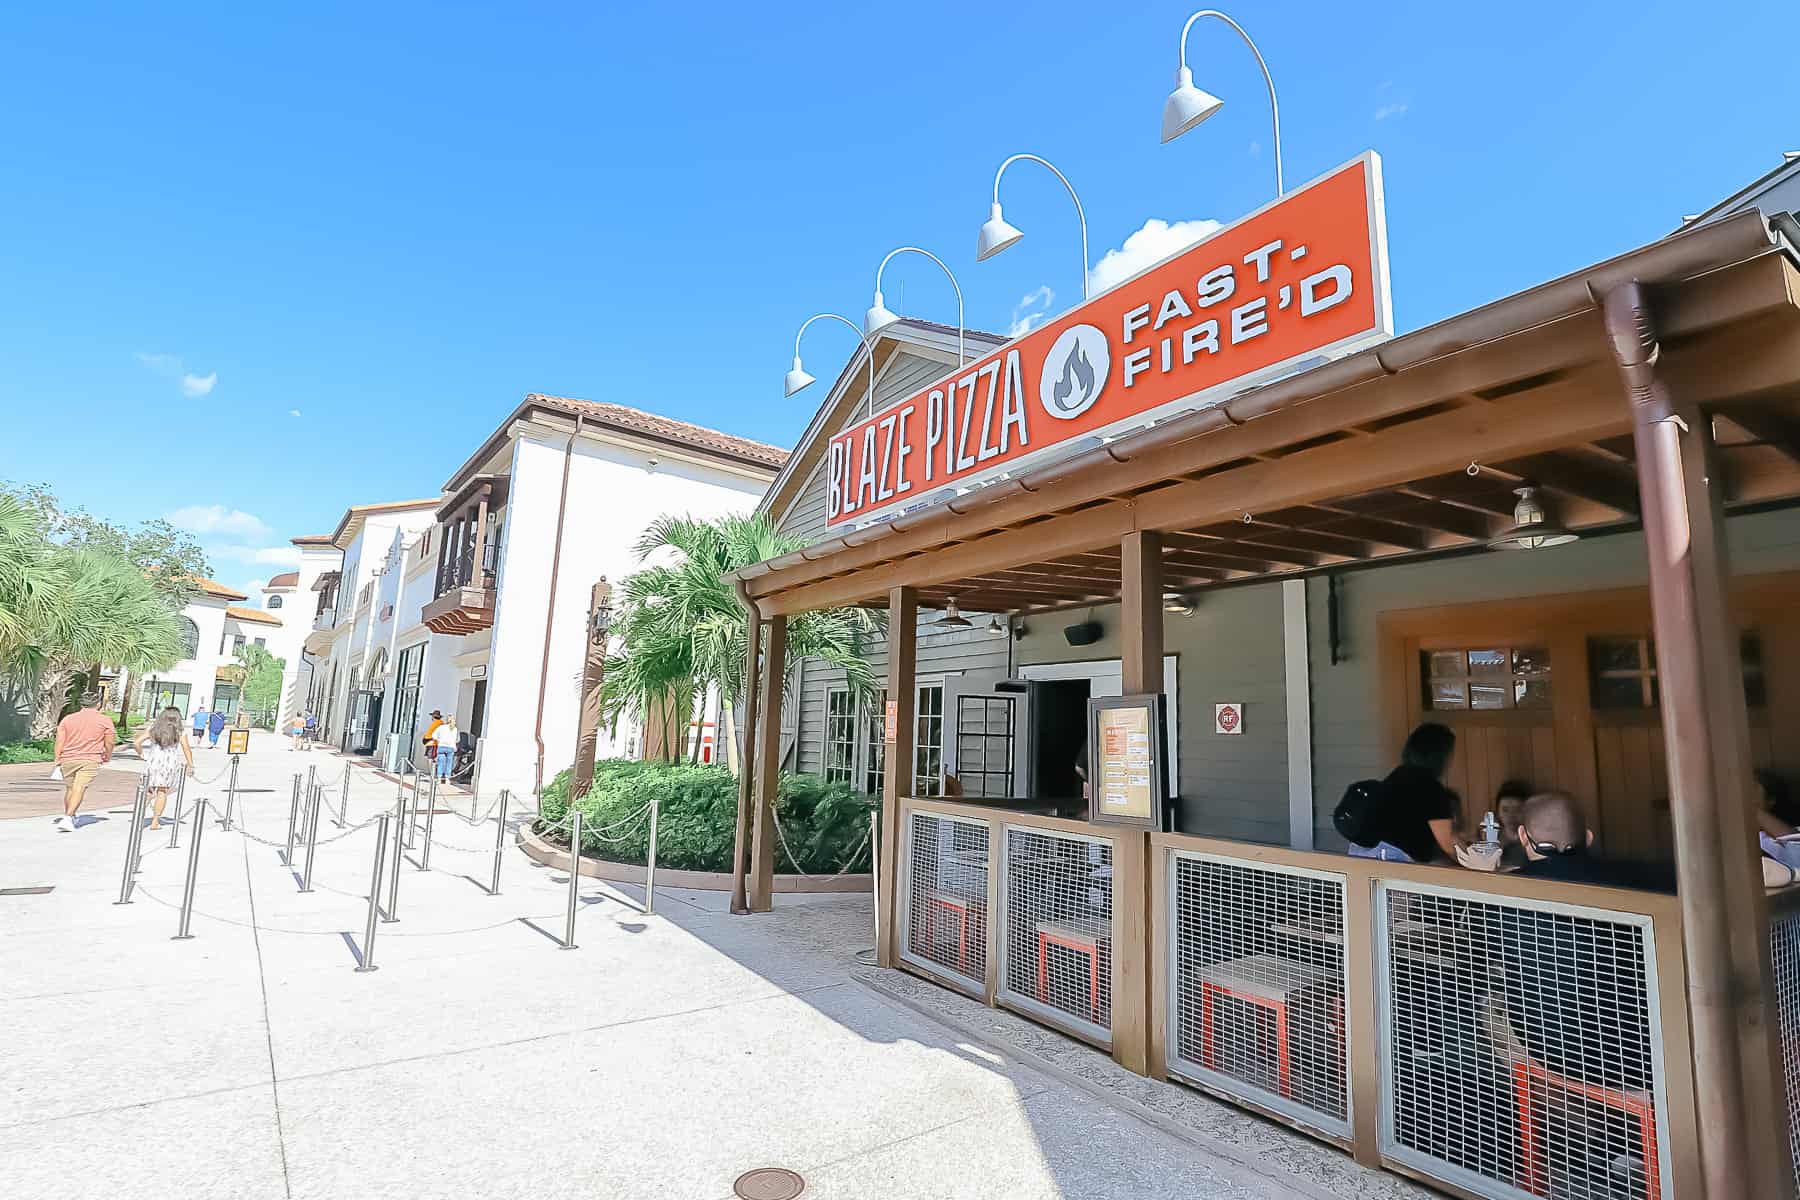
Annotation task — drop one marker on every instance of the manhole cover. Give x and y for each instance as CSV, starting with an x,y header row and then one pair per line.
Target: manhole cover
x,y
27,891
769,1183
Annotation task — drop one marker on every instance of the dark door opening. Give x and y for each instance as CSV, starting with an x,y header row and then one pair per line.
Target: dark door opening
x,y
1059,731
477,708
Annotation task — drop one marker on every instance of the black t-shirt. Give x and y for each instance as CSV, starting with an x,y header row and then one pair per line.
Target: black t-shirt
x,y
1582,867
1411,798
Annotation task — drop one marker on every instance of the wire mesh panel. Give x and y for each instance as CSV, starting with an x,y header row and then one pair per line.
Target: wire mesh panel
x,y
1257,979
1057,943
944,900
1784,951
1521,1054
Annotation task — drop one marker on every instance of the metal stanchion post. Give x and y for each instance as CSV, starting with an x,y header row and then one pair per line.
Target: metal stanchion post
x,y
368,946
312,838
875,866
499,842
650,864
393,898
430,812
132,837
231,794
175,825
344,800
193,868
401,834
568,942
287,856
312,779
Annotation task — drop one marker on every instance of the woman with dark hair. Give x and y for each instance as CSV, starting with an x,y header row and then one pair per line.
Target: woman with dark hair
x,y
166,759
1415,813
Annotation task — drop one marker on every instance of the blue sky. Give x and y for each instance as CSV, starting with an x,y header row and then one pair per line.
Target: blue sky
x,y
395,220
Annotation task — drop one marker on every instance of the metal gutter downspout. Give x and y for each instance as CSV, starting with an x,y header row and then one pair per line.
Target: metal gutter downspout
x,y
562,510
1724,925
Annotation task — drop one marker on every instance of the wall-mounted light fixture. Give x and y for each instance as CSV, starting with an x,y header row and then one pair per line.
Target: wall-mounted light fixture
x,y
1175,602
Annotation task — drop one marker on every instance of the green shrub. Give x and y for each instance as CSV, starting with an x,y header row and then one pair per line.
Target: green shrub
x,y
27,752
825,824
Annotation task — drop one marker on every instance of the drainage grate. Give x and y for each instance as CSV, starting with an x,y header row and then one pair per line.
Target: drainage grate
x,y
27,891
768,1183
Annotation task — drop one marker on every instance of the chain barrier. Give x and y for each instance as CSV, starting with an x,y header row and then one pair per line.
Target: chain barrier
x,y
843,866
334,933
324,841
223,772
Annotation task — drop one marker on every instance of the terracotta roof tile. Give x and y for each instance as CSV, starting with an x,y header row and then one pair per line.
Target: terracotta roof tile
x,y
668,429
255,616
211,587
311,539
285,579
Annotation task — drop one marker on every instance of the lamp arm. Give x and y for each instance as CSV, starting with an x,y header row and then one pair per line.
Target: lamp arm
x,y
854,328
956,287
1080,213
1274,105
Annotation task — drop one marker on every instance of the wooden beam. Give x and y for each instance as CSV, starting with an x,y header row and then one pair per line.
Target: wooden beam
x,y
1221,543
1769,427
1613,487
768,767
897,735
1379,530
740,841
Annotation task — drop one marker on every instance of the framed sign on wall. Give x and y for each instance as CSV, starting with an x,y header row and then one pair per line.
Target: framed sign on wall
x,y
1126,750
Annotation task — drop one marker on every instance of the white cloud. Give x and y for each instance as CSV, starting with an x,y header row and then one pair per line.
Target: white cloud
x,y
1390,110
1149,245
276,556
217,519
293,412
1031,310
171,366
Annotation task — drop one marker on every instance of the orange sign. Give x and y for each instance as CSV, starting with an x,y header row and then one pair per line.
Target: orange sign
x,y
1304,277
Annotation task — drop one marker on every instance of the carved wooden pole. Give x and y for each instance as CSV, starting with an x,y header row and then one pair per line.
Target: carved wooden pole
x,y
593,675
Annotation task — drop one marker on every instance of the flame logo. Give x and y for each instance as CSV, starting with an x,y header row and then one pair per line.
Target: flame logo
x,y
1077,380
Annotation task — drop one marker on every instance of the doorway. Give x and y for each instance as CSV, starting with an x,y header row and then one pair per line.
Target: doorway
x,y
1059,732
477,708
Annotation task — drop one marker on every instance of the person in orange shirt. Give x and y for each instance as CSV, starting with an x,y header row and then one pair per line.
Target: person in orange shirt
x,y
431,748
84,743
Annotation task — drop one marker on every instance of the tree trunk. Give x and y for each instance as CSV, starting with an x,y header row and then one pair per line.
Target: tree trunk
x,y
52,694
124,696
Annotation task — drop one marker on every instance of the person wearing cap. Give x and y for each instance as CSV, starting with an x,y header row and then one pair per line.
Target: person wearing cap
x,y
84,742
431,746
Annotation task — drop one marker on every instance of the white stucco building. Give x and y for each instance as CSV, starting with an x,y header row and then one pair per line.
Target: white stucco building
x,y
215,625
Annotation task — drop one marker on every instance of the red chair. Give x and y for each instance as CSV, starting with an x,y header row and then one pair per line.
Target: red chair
x,y
1263,981
1078,937
965,910
1527,1073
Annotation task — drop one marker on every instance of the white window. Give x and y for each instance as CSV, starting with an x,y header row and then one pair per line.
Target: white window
x,y
840,736
928,744
274,601
874,747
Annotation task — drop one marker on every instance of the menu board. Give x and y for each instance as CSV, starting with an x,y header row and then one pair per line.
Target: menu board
x,y
1126,752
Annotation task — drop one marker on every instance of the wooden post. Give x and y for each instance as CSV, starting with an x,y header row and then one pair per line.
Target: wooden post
x,y
593,675
1140,670
476,576
768,768
740,842
1743,1141
896,781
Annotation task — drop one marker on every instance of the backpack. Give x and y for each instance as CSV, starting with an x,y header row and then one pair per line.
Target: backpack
x,y
1356,815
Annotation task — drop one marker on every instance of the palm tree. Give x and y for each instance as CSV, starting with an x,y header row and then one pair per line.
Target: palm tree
x,y
105,610
682,628
28,591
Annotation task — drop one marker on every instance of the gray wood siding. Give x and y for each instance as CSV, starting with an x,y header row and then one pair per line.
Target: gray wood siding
x,y
909,372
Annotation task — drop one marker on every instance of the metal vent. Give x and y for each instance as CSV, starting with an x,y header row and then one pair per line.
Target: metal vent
x,y
945,898
1257,974
1058,936
1521,1051
1784,951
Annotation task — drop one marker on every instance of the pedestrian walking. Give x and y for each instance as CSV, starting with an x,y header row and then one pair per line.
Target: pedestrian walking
x,y
199,719
166,759
215,725
295,728
446,747
311,722
84,743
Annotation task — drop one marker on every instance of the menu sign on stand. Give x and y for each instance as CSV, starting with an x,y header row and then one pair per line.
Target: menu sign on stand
x,y
1125,754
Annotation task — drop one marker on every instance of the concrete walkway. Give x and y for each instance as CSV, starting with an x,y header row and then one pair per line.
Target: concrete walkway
x,y
663,1058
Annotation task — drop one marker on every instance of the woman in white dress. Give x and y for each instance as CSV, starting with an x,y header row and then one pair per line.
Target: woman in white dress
x,y
166,759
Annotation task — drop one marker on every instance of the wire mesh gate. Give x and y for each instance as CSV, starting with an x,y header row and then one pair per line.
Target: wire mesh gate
x,y
1057,931
944,899
1256,980
1521,1051
1784,953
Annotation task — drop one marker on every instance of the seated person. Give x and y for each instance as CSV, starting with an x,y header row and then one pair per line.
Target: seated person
x,y
1779,816
1414,812
1556,843
1509,804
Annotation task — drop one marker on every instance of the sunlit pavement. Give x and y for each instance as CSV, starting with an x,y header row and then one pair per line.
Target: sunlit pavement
x,y
663,1057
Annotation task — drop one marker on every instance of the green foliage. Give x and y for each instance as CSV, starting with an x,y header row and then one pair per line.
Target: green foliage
x,y
170,558
262,683
681,626
40,750
825,824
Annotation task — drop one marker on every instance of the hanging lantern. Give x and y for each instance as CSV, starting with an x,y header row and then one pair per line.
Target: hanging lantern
x,y
1532,528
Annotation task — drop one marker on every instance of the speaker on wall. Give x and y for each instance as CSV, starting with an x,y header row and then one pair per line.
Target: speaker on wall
x,y
1084,633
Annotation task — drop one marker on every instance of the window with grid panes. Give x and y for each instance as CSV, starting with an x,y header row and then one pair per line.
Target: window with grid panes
x,y
874,762
840,736
1486,678
928,748
1622,671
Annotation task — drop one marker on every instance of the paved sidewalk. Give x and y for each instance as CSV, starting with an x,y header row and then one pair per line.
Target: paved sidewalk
x,y
663,1058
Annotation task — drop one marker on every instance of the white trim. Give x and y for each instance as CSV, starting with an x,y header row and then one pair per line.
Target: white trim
x,y
1112,668
1299,713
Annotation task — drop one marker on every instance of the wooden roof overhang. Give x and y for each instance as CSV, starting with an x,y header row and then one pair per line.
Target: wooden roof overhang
x,y
1365,458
